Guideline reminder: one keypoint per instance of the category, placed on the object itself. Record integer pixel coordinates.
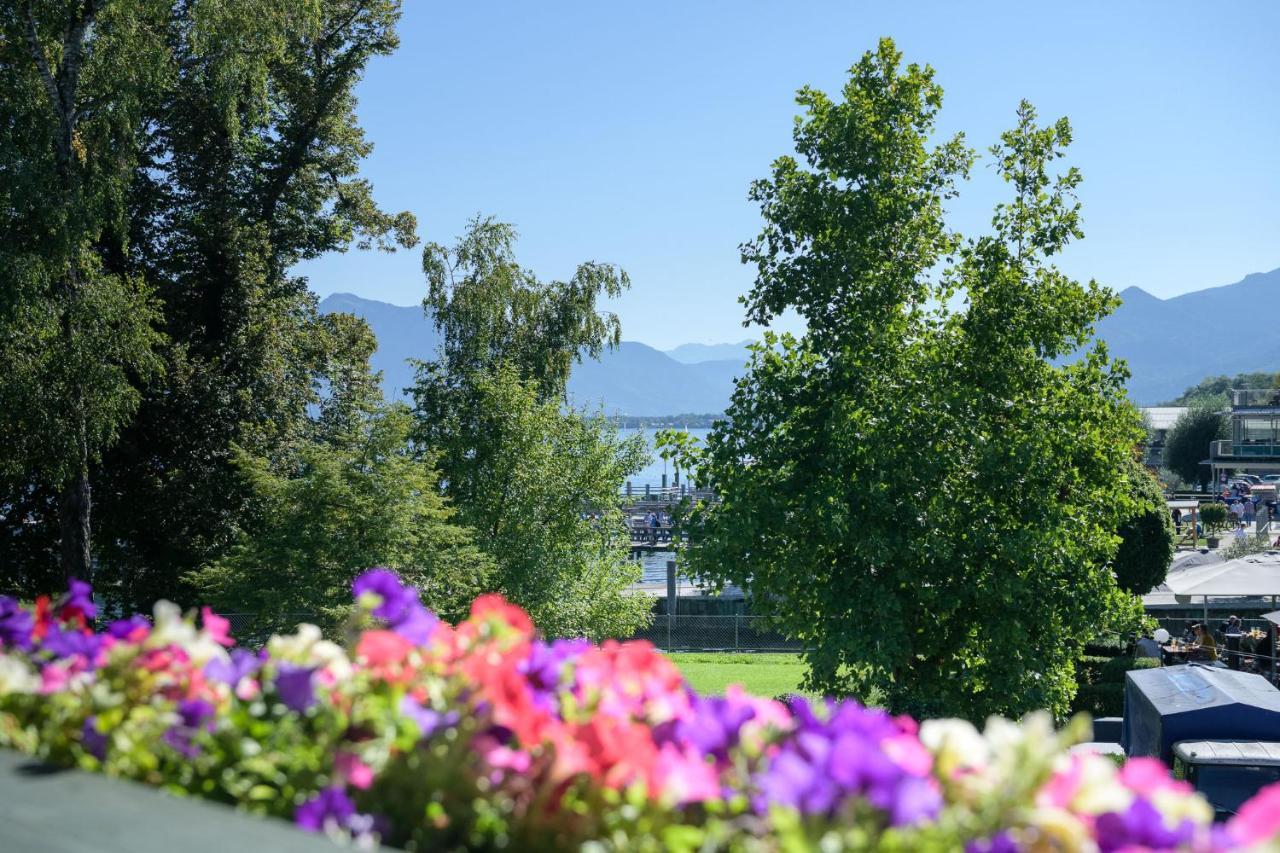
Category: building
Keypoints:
(1254, 445)
(1160, 419)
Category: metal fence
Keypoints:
(740, 633)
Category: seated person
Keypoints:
(1147, 648)
(1206, 645)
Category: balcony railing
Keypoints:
(1221, 448)
(1255, 398)
(1252, 449)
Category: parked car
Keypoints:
(1271, 478)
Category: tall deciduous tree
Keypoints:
(252, 165)
(76, 334)
(925, 497)
(520, 466)
(1187, 445)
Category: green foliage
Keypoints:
(1214, 392)
(356, 500)
(1243, 546)
(1187, 444)
(1214, 517)
(545, 468)
(216, 145)
(1146, 536)
(931, 499)
(76, 330)
(521, 467)
(1099, 700)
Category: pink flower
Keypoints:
(1062, 786)
(684, 775)
(248, 689)
(353, 770)
(1145, 775)
(54, 678)
(217, 627)
(1259, 819)
(906, 751)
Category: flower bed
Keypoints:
(480, 735)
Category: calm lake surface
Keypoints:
(652, 474)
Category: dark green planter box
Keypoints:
(49, 810)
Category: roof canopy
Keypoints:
(1256, 574)
(1176, 703)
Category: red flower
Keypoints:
(498, 606)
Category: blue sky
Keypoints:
(629, 132)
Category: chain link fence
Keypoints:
(738, 633)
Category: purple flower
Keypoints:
(93, 741)
(825, 762)
(194, 715)
(330, 807)
(714, 726)
(243, 663)
(294, 686)
(427, 720)
(16, 624)
(1141, 826)
(544, 669)
(416, 623)
(123, 629)
(1001, 842)
(79, 600)
(70, 642)
(399, 606)
(396, 597)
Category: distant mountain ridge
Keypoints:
(634, 379)
(1169, 344)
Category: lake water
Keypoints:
(652, 473)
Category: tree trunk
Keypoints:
(73, 508)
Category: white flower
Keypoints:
(295, 648)
(955, 744)
(17, 676)
(170, 628)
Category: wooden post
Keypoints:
(664, 481)
(646, 491)
(628, 488)
(672, 597)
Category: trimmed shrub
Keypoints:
(1113, 670)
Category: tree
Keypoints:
(522, 468)
(358, 500)
(237, 154)
(76, 335)
(546, 508)
(1146, 536)
(1214, 392)
(924, 496)
(1188, 443)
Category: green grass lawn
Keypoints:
(762, 674)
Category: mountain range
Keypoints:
(1170, 344)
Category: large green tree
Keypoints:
(520, 465)
(1187, 445)
(360, 498)
(244, 161)
(926, 498)
(77, 333)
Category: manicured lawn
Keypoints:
(762, 674)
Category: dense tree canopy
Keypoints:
(1188, 442)
(216, 145)
(522, 467)
(925, 496)
(356, 500)
(1146, 547)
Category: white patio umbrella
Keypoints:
(1257, 575)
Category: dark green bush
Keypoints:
(1099, 700)
(1113, 670)
(1089, 669)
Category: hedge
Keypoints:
(426, 736)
